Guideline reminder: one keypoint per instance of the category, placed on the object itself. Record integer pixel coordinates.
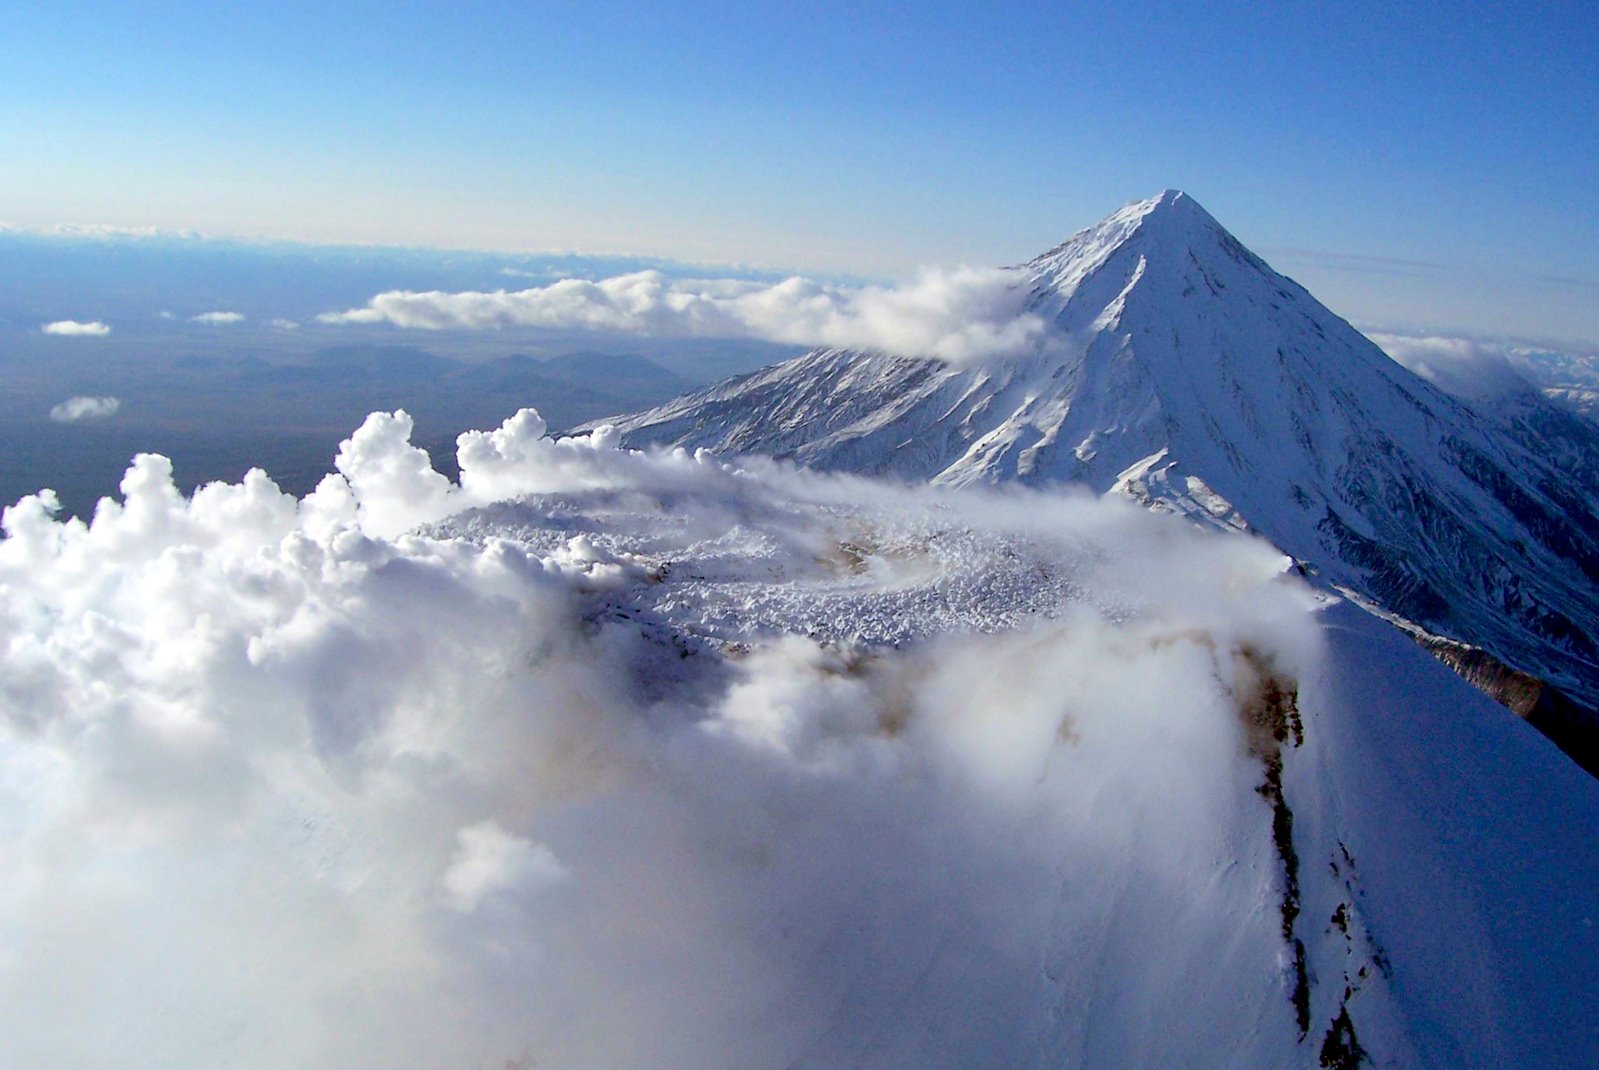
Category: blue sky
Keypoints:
(1424, 165)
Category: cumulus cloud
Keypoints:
(218, 319)
(490, 860)
(956, 314)
(84, 408)
(77, 328)
(283, 324)
(601, 758)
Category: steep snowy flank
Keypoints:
(1183, 372)
(643, 761)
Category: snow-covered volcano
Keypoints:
(601, 759)
(1180, 370)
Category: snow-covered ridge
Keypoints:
(1182, 371)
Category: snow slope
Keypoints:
(613, 759)
(1183, 372)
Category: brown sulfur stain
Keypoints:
(1268, 702)
(889, 686)
(1268, 705)
(849, 557)
(894, 719)
(1066, 731)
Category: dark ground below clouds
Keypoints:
(217, 417)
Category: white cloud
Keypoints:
(540, 783)
(218, 319)
(84, 408)
(951, 314)
(77, 328)
(1491, 369)
(491, 861)
(108, 230)
(1467, 367)
(283, 324)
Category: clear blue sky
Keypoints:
(1413, 163)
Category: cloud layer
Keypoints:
(951, 314)
(1467, 367)
(77, 328)
(84, 408)
(638, 769)
(1496, 369)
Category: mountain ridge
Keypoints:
(1179, 369)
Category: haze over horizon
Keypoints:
(1342, 147)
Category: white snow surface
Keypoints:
(1178, 369)
(605, 758)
